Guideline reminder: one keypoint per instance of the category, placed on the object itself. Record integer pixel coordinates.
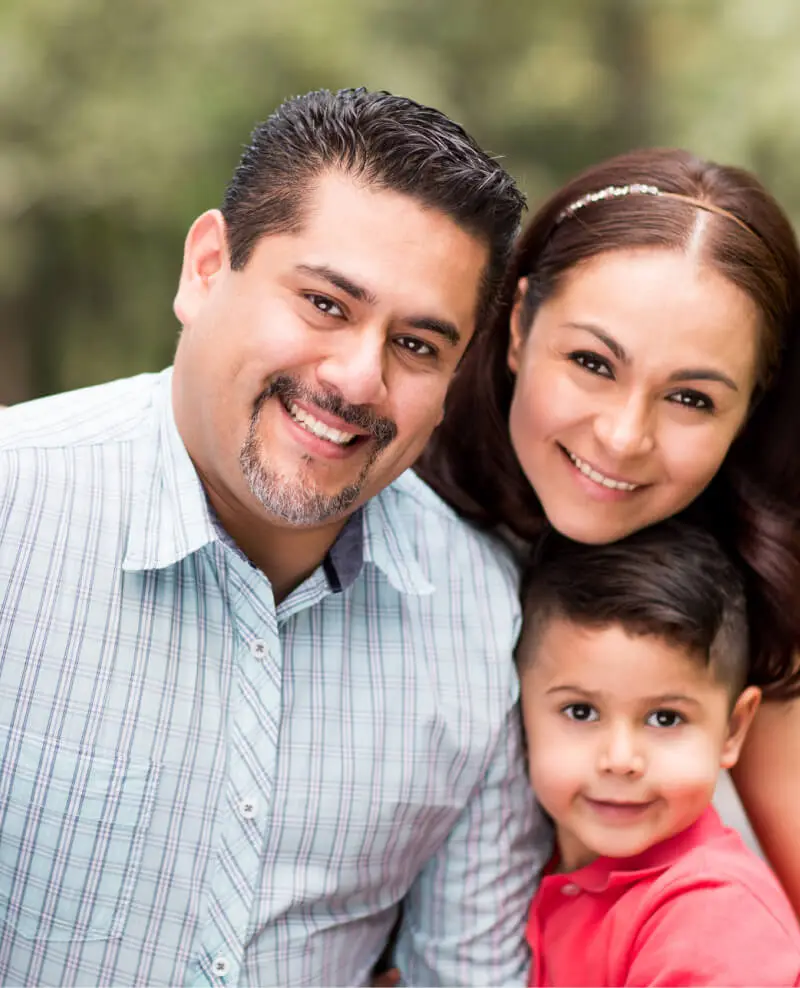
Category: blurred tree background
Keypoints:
(121, 121)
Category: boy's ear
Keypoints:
(740, 720)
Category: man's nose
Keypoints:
(356, 369)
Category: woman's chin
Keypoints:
(591, 529)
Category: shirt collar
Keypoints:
(603, 873)
(169, 512)
(171, 517)
(387, 541)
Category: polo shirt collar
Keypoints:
(604, 873)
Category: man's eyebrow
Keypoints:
(357, 292)
(685, 374)
(441, 326)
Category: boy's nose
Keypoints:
(621, 754)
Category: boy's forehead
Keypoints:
(612, 661)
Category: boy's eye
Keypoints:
(592, 362)
(583, 712)
(664, 718)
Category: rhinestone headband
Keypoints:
(639, 189)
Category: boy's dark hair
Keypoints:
(388, 142)
(672, 581)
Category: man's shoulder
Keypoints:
(444, 538)
(106, 413)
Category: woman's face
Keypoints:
(631, 385)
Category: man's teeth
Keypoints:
(317, 428)
(598, 478)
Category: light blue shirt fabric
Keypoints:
(198, 787)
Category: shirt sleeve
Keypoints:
(715, 935)
(464, 916)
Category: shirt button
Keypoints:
(259, 648)
(569, 889)
(221, 966)
(247, 807)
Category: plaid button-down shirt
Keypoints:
(199, 787)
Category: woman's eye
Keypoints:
(692, 399)
(664, 718)
(416, 346)
(324, 304)
(582, 712)
(592, 362)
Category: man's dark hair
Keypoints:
(390, 143)
(672, 581)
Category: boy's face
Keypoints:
(626, 737)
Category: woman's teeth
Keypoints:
(317, 428)
(598, 478)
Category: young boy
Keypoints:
(633, 664)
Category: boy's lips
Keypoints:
(619, 808)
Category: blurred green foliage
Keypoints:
(121, 122)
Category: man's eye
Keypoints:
(692, 399)
(592, 362)
(416, 346)
(324, 304)
(583, 712)
(664, 718)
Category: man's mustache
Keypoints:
(287, 388)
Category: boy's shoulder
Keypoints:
(717, 915)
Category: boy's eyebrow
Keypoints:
(569, 688)
(652, 701)
(672, 698)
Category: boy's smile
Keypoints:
(626, 737)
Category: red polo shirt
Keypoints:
(697, 909)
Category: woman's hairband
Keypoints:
(639, 189)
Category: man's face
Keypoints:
(309, 380)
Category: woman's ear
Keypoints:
(741, 718)
(516, 338)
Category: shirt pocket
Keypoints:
(72, 829)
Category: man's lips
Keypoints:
(323, 425)
(303, 409)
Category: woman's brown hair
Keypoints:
(753, 504)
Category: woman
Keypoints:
(647, 363)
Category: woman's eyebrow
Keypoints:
(703, 374)
(613, 345)
(685, 374)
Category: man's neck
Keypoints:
(286, 556)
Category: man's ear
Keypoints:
(739, 723)
(516, 336)
(205, 257)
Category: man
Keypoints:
(256, 686)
